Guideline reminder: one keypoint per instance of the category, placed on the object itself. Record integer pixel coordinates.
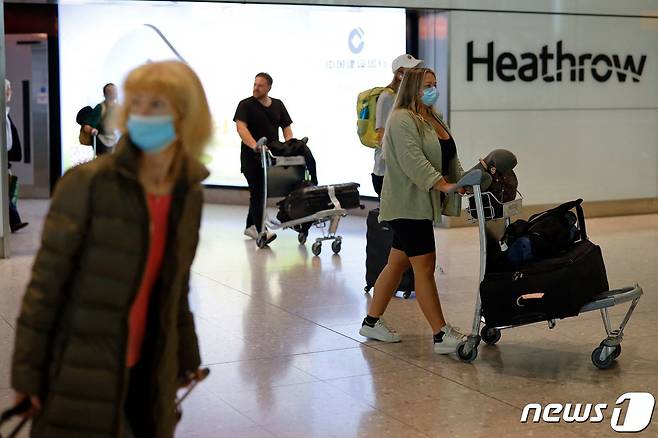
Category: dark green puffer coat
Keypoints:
(72, 330)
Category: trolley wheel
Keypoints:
(301, 238)
(490, 335)
(336, 246)
(261, 242)
(406, 294)
(602, 364)
(468, 358)
(616, 352)
(316, 249)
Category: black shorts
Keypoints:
(414, 237)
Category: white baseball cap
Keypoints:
(406, 61)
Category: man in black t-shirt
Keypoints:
(259, 116)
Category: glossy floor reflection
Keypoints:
(279, 330)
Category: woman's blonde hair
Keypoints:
(181, 86)
(408, 96)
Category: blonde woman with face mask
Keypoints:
(421, 168)
(105, 333)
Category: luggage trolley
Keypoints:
(604, 354)
(281, 176)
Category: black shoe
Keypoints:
(19, 226)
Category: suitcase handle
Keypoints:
(192, 379)
(18, 409)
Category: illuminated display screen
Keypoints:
(319, 57)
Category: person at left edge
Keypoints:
(105, 334)
(14, 154)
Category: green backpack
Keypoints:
(366, 109)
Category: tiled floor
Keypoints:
(279, 330)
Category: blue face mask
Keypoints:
(430, 96)
(151, 134)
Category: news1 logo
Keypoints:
(639, 411)
(552, 65)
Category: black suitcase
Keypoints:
(379, 239)
(567, 282)
(309, 200)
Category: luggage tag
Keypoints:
(532, 296)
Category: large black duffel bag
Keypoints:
(313, 199)
(379, 238)
(548, 289)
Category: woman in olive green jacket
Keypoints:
(421, 169)
(105, 333)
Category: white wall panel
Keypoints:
(595, 155)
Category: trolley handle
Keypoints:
(471, 178)
(260, 143)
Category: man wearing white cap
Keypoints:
(384, 107)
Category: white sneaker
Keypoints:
(251, 232)
(380, 331)
(450, 340)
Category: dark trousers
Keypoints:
(254, 175)
(377, 183)
(14, 217)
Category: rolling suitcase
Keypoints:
(379, 239)
(552, 288)
(312, 199)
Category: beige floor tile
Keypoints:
(332, 316)
(253, 374)
(408, 385)
(360, 361)
(206, 414)
(294, 404)
(256, 340)
(368, 424)
(6, 401)
(6, 349)
(472, 416)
